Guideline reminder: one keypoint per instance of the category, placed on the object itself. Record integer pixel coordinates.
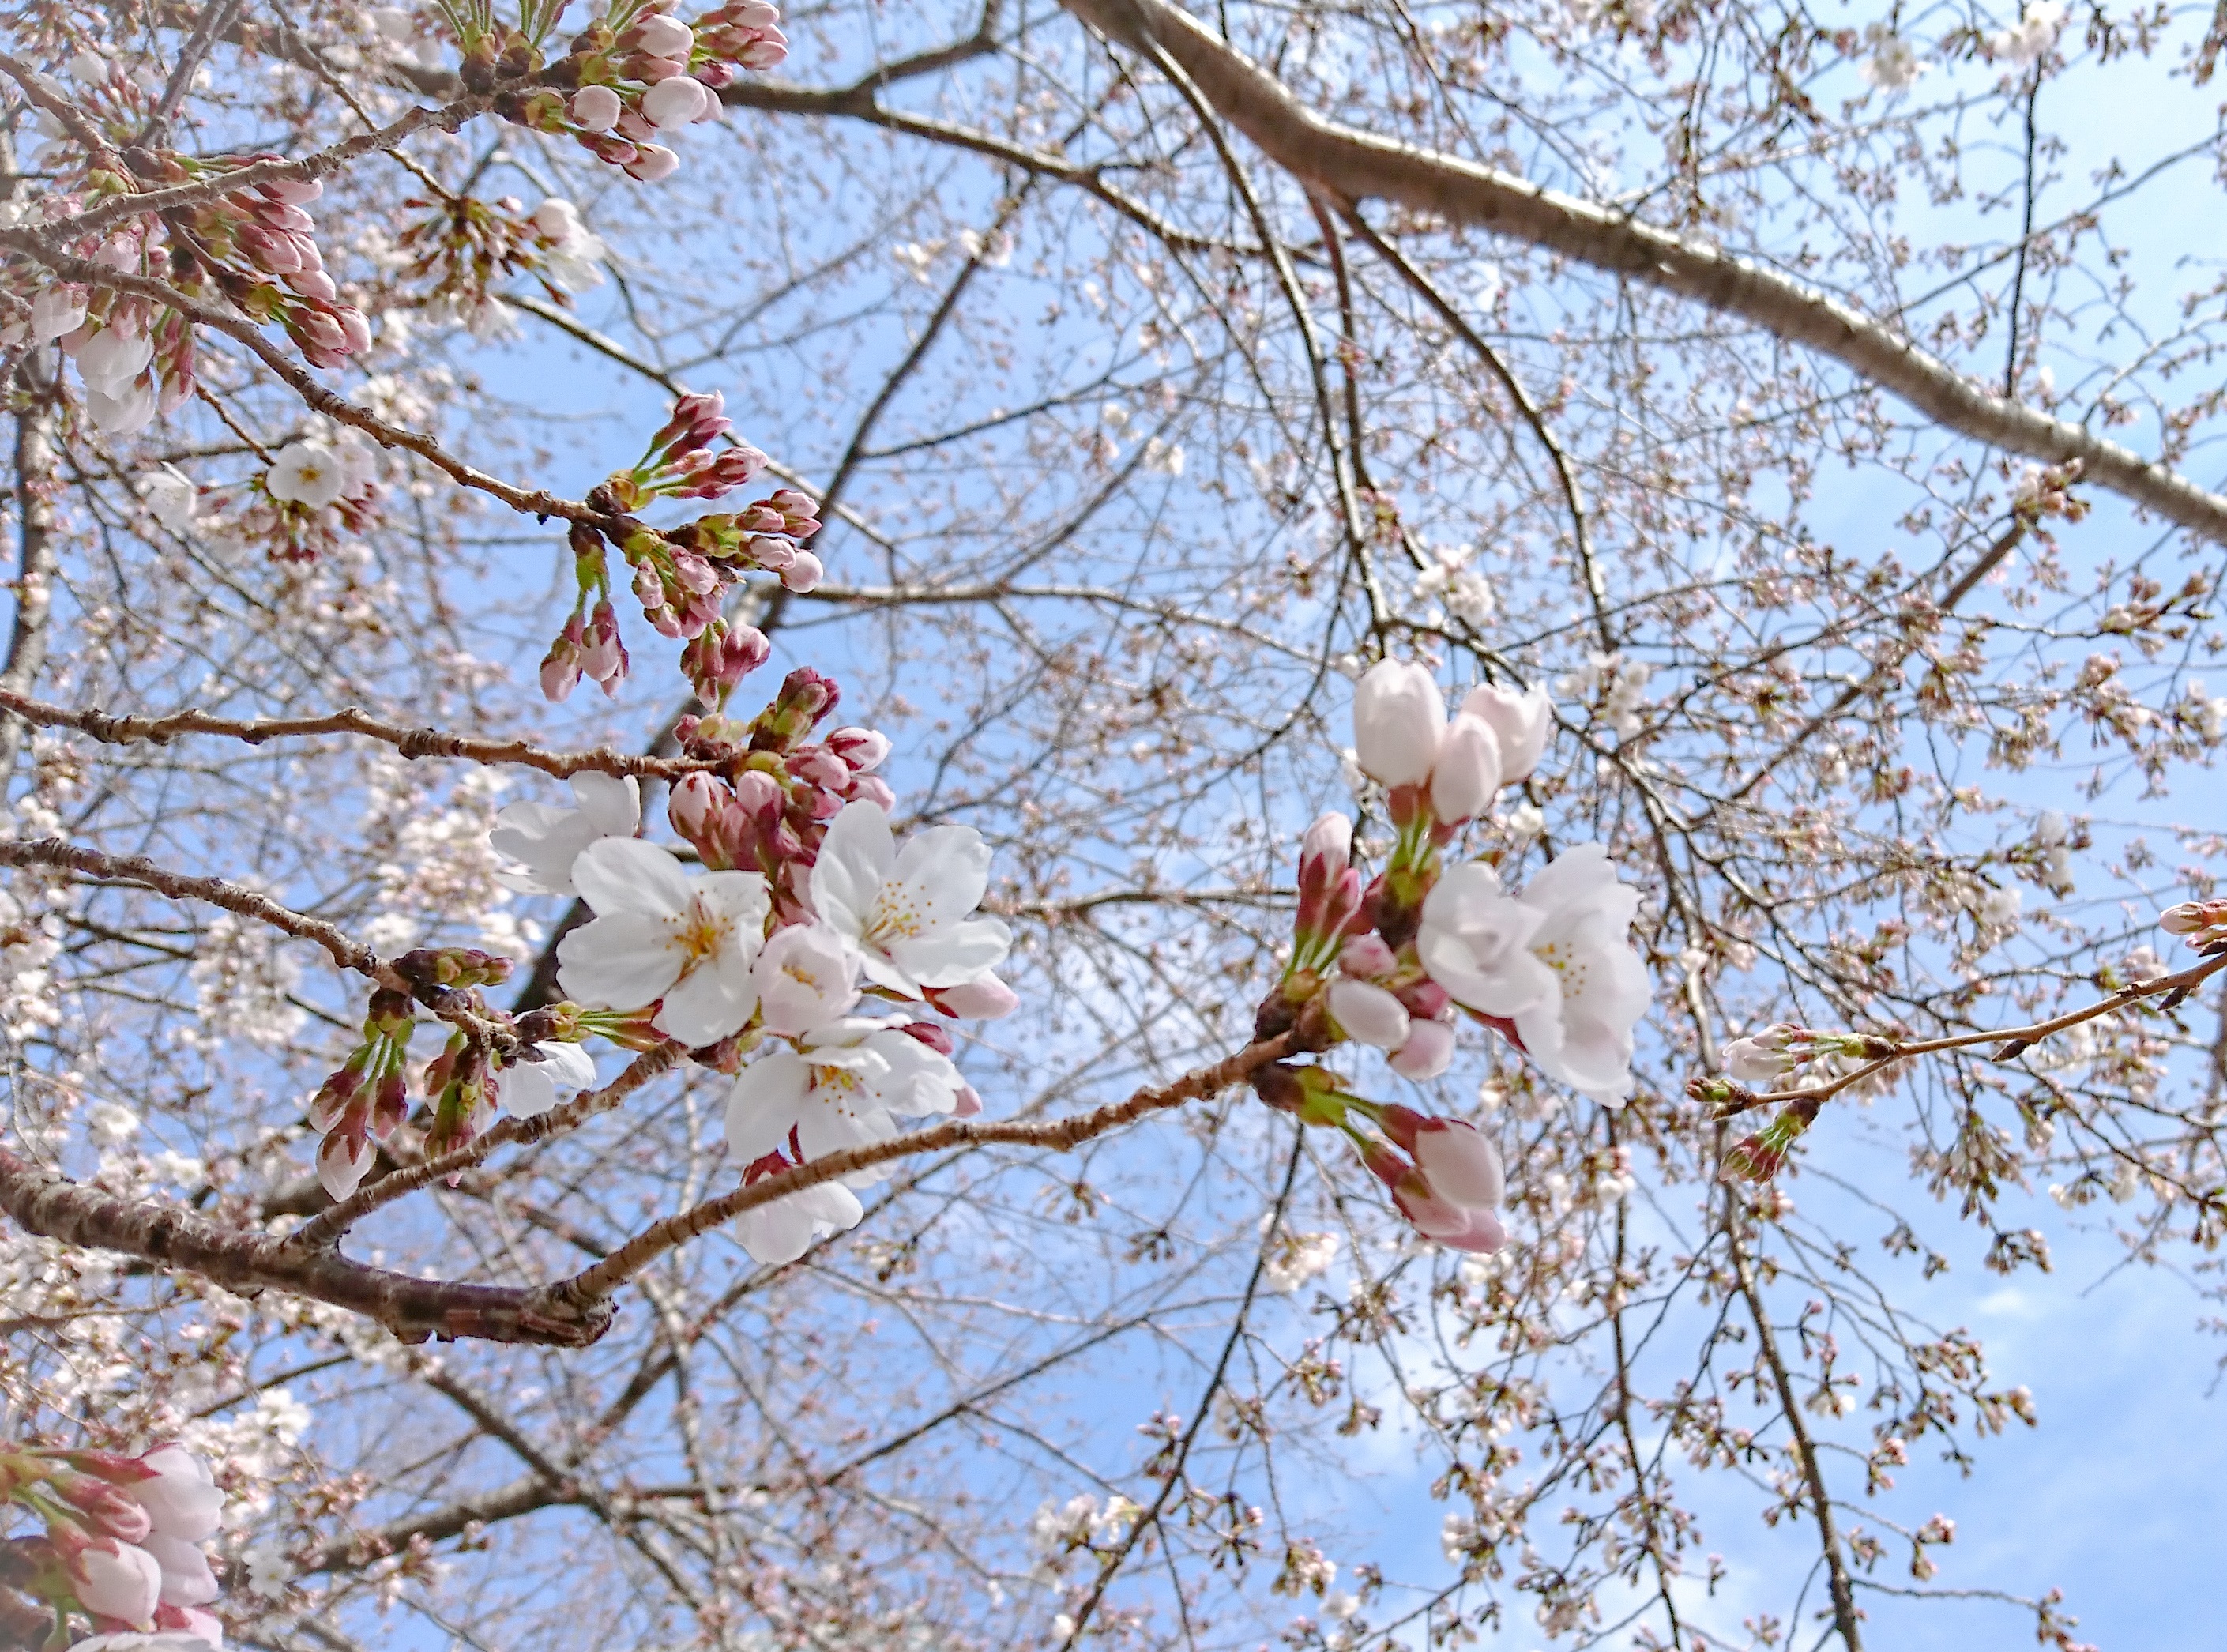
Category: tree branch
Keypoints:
(1352, 166)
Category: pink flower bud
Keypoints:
(770, 553)
(674, 103)
(1399, 716)
(357, 329)
(764, 53)
(1368, 1014)
(1427, 1053)
(930, 1034)
(753, 14)
(744, 650)
(313, 284)
(761, 797)
(661, 36)
(1328, 845)
(863, 749)
(1425, 999)
(1461, 1164)
(1522, 723)
(967, 1103)
(595, 109)
(117, 1580)
(1366, 957)
(1468, 770)
(109, 1510)
(344, 1158)
(652, 164)
(872, 788)
(603, 656)
(696, 802)
(983, 998)
(819, 769)
(803, 574)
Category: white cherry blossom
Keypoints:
(838, 1090)
(807, 975)
(548, 840)
(785, 1229)
(906, 911)
(529, 1089)
(659, 933)
(1399, 716)
(1555, 961)
(306, 473)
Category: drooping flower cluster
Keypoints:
(462, 247)
(253, 249)
(1393, 960)
(123, 1539)
(682, 576)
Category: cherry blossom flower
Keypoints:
(1368, 1014)
(659, 935)
(662, 37)
(118, 1580)
(1521, 722)
(182, 1500)
(983, 998)
(2035, 33)
(785, 1229)
(679, 101)
(1762, 1057)
(529, 1088)
(806, 976)
(170, 496)
(907, 911)
(55, 311)
(1467, 772)
(1399, 716)
(1554, 961)
(547, 839)
(838, 1090)
(306, 473)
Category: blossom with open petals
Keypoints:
(529, 1088)
(806, 975)
(306, 473)
(1555, 960)
(785, 1229)
(838, 1090)
(170, 495)
(548, 840)
(659, 933)
(906, 911)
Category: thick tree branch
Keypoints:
(1352, 166)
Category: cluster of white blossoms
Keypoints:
(822, 983)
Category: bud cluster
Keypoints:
(2202, 924)
(770, 812)
(1761, 1156)
(682, 575)
(122, 1538)
(619, 91)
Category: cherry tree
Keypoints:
(868, 828)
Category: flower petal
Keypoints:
(957, 952)
(611, 803)
(856, 856)
(627, 874)
(713, 1001)
(764, 1105)
(621, 962)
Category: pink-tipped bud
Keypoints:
(983, 998)
(1425, 999)
(1366, 958)
(872, 788)
(774, 555)
(595, 109)
(603, 655)
(820, 768)
(1327, 849)
(746, 649)
(930, 1034)
(862, 748)
(967, 1103)
(652, 164)
(696, 803)
(761, 798)
(109, 1511)
(803, 573)
(1427, 1053)
(1468, 770)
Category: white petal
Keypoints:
(857, 854)
(612, 803)
(941, 876)
(712, 1002)
(957, 953)
(568, 1064)
(528, 1090)
(621, 962)
(764, 1105)
(627, 874)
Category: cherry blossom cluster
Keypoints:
(463, 247)
(634, 78)
(254, 247)
(682, 575)
(123, 1538)
(810, 955)
(1393, 960)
